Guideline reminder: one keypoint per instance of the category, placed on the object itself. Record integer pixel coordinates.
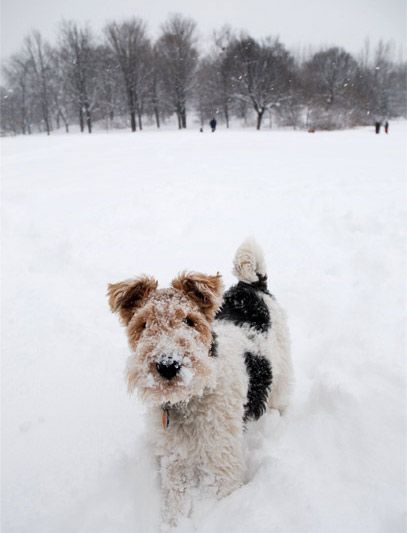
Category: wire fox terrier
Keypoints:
(206, 363)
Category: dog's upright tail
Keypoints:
(249, 265)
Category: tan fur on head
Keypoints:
(169, 324)
(126, 296)
(206, 291)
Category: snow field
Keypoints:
(82, 211)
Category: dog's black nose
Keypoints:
(168, 368)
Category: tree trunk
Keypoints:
(226, 112)
(132, 109)
(157, 117)
(140, 123)
(133, 124)
(23, 111)
(45, 116)
(47, 126)
(259, 118)
(179, 120)
(183, 115)
(65, 120)
(88, 118)
(81, 122)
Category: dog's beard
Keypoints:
(197, 373)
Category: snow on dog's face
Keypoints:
(169, 332)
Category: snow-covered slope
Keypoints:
(81, 211)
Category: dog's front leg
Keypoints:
(175, 482)
(229, 475)
(225, 467)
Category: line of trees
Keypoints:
(123, 78)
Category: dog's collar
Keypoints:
(167, 409)
(165, 417)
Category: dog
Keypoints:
(206, 364)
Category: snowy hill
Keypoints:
(82, 211)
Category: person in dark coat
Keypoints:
(377, 126)
(212, 124)
(386, 127)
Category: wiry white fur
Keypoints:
(249, 261)
(275, 345)
(203, 445)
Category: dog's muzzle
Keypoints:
(168, 368)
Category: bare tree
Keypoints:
(9, 112)
(177, 63)
(330, 77)
(260, 73)
(214, 88)
(333, 72)
(382, 70)
(78, 54)
(59, 89)
(127, 76)
(223, 66)
(398, 90)
(207, 91)
(17, 100)
(110, 94)
(155, 91)
(39, 56)
(290, 112)
(132, 49)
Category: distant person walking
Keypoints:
(386, 127)
(377, 126)
(212, 124)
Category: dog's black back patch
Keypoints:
(242, 304)
(260, 379)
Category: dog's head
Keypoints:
(169, 333)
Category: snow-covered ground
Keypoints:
(80, 211)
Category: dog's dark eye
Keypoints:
(143, 325)
(189, 322)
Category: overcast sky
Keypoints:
(296, 22)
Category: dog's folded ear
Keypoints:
(204, 290)
(126, 296)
